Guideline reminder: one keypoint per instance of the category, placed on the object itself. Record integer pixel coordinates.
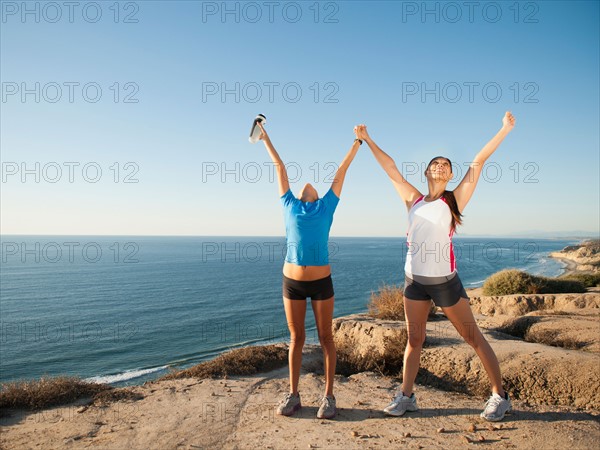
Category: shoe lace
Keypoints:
(398, 397)
(327, 402)
(287, 398)
(492, 403)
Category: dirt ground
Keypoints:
(239, 413)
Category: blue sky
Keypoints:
(356, 62)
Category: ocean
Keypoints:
(123, 309)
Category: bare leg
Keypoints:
(323, 310)
(295, 312)
(462, 318)
(416, 313)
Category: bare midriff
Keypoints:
(305, 273)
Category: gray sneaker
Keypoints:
(400, 404)
(495, 408)
(289, 405)
(327, 409)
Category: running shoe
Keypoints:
(400, 404)
(327, 409)
(495, 407)
(289, 405)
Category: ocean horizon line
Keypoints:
(547, 235)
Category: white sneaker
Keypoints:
(289, 405)
(327, 409)
(400, 404)
(495, 408)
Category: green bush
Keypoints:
(588, 279)
(512, 281)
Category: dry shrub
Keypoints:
(512, 281)
(351, 361)
(47, 392)
(241, 361)
(114, 395)
(388, 303)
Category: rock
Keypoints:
(517, 305)
(586, 256)
(576, 330)
(472, 428)
(555, 376)
(441, 430)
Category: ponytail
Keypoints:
(450, 200)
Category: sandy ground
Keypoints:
(239, 412)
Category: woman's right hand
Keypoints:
(263, 132)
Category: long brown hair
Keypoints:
(450, 199)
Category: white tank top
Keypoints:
(429, 239)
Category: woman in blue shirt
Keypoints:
(307, 273)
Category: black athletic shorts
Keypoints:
(447, 293)
(299, 290)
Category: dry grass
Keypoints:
(512, 281)
(115, 395)
(388, 303)
(241, 361)
(47, 392)
(350, 361)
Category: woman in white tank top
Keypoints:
(430, 267)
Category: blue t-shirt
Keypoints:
(307, 226)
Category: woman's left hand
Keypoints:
(508, 121)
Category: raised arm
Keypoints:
(407, 191)
(466, 187)
(340, 175)
(282, 176)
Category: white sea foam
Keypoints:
(124, 376)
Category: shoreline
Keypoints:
(570, 266)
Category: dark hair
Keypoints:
(449, 198)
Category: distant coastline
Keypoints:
(581, 258)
